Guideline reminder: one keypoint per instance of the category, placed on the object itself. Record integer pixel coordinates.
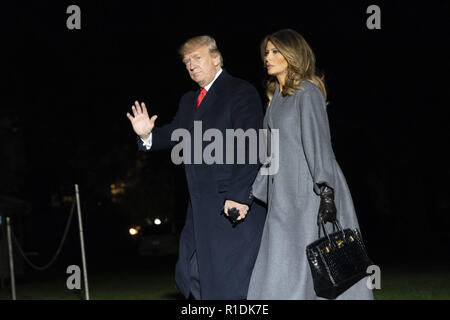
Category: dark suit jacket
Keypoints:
(225, 253)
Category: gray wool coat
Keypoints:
(306, 159)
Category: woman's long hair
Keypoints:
(301, 62)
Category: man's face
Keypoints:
(201, 65)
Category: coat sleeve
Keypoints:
(315, 135)
(246, 113)
(259, 187)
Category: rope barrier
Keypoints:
(45, 267)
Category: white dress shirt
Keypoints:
(148, 142)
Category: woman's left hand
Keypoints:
(327, 208)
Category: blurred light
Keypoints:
(157, 221)
(67, 199)
(133, 231)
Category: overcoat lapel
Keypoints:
(208, 101)
(269, 110)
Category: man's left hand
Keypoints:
(243, 208)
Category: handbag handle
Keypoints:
(335, 224)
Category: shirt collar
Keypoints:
(211, 83)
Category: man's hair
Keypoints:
(200, 41)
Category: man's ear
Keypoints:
(216, 60)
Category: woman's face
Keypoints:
(276, 64)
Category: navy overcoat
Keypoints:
(225, 253)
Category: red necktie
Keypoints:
(200, 97)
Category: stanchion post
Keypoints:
(11, 258)
(83, 256)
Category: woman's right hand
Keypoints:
(141, 122)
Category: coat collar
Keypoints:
(269, 110)
(210, 97)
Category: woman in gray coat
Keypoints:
(306, 172)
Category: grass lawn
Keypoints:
(155, 282)
(414, 283)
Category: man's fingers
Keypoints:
(243, 212)
(130, 117)
(242, 208)
(138, 107)
(133, 108)
(144, 109)
(153, 119)
(242, 216)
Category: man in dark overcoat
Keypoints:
(216, 255)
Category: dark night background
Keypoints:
(65, 94)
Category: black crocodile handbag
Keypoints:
(337, 261)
